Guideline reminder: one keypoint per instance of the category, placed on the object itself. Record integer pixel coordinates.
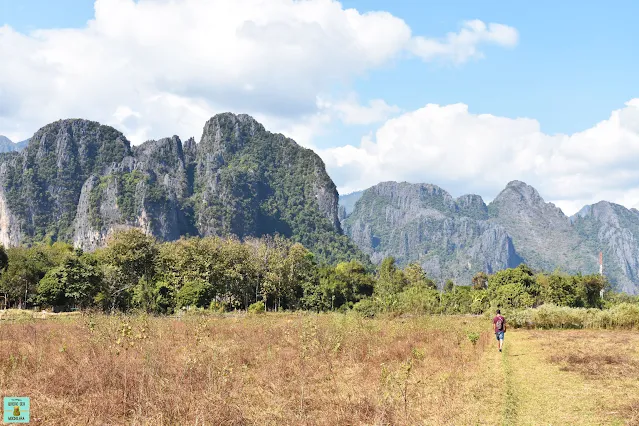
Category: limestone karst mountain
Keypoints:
(6, 145)
(78, 180)
(455, 238)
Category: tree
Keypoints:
(4, 264)
(238, 273)
(416, 277)
(514, 288)
(129, 256)
(449, 286)
(26, 267)
(390, 280)
(589, 289)
(480, 281)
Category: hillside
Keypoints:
(455, 238)
(450, 238)
(78, 181)
(347, 203)
(6, 145)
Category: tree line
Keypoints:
(134, 271)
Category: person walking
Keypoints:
(499, 326)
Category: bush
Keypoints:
(623, 315)
(418, 300)
(473, 337)
(217, 307)
(193, 293)
(257, 308)
(366, 307)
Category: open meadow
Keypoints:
(313, 369)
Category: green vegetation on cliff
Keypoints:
(77, 180)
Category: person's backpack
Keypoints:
(499, 325)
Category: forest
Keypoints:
(135, 272)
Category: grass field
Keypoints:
(327, 369)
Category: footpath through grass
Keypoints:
(570, 378)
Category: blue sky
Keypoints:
(573, 65)
(575, 62)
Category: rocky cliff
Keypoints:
(79, 181)
(454, 238)
(6, 145)
(613, 230)
(450, 238)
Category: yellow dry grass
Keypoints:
(308, 369)
(577, 377)
(270, 369)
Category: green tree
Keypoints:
(391, 280)
(449, 286)
(480, 281)
(129, 256)
(26, 267)
(4, 264)
(514, 288)
(416, 277)
(589, 288)
(238, 273)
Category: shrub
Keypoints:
(623, 315)
(419, 300)
(257, 308)
(193, 293)
(366, 307)
(217, 307)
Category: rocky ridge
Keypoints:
(79, 181)
(455, 238)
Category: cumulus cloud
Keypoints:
(155, 68)
(350, 111)
(464, 45)
(465, 152)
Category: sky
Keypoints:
(467, 95)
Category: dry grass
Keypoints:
(235, 370)
(596, 355)
(590, 375)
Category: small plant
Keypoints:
(417, 354)
(257, 308)
(473, 337)
(217, 307)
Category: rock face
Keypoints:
(6, 145)
(613, 230)
(455, 238)
(348, 201)
(450, 238)
(541, 232)
(79, 181)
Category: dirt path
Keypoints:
(537, 391)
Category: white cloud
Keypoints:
(465, 152)
(157, 68)
(464, 45)
(350, 111)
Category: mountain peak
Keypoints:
(518, 192)
(228, 132)
(226, 118)
(7, 145)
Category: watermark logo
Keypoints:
(16, 409)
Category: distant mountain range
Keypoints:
(455, 238)
(6, 145)
(78, 181)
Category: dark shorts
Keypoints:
(499, 335)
